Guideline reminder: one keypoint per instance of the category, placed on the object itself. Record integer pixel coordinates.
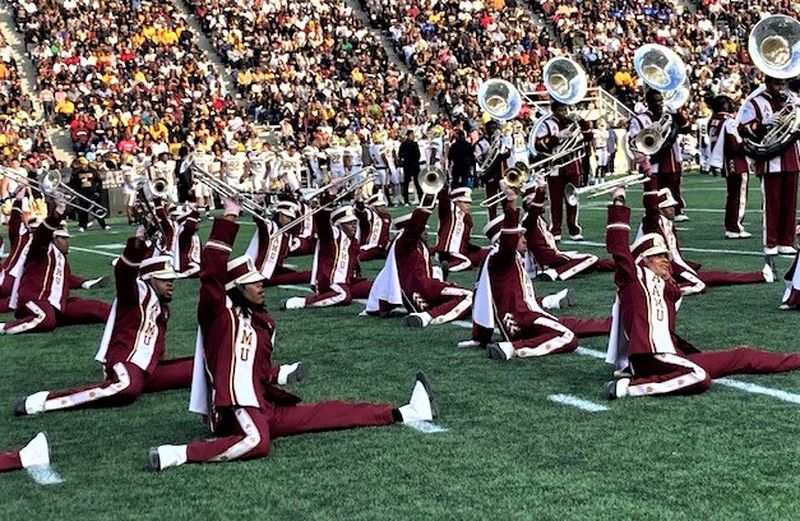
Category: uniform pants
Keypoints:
(83, 218)
(470, 258)
(791, 296)
(780, 204)
(374, 253)
(492, 188)
(123, 385)
(283, 275)
(450, 304)
(735, 201)
(5, 307)
(7, 286)
(587, 327)
(340, 294)
(10, 461)
(672, 180)
(697, 282)
(665, 373)
(40, 316)
(542, 336)
(249, 430)
(556, 185)
(569, 265)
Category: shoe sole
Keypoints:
(495, 353)
(299, 374)
(570, 299)
(412, 321)
(19, 407)
(423, 379)
(154, 460)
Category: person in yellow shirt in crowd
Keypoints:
(158, 130)
(64, 111)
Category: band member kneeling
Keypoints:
(505, 298)
(133, 345)
(235, 384)
(649, 358)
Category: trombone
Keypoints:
(215, 184)
(51, 182)
(573, 194)
(431, 180)
(515, 177)
(367, 172)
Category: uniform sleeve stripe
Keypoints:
(129, 262)
(618, 226)
(219, 245)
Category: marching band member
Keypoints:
(237, 380)
(41, 297)
(550, 261)
(494, 172)
(304, 236)
(269, 249)
(35, 454)
(791, 297)
(555, 127)
(504, 297)
(649, 357)
(727, 155)
(334, 279)
(660, 211)
(407, 279)
(19, 238)
(664, 165)
(374, 225)
(779, 173)
(455, 229)
(187, 263)
(133, 346)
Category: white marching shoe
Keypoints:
(294, 303)
(423, 405)
(419, 319)
(617, 388)
(36, 452)
(768, 272)
(29, 405)
(787, 250)
(561, 300)
(166, 456)
(500, 350)
(291, 373)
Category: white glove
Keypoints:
(564, 134)
(232, 206)
(99, 282)
(290, 373)
(770, 120)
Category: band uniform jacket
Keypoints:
(752, 124)
(547, 139)
(336, 256)
(455, 226)
(667, 161)
(730, 149)
(647, 302)
(373, 227)
(237, 345)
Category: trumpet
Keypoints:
(50, 183)
(248, 203)
(515, 177)
(367, 172)
(573, 194)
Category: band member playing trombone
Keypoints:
(408, 279)
(133, 345)
(727, 155)
(268, 248)
(551, 262)
(647, 354)
(779, 171)
(505, 298)
(41, 299)
(554, 128)
(335, 273)
(374, 225)
(238, 387)
(455, 229)
(660, 211)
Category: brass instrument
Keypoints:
(248, 203)
(773, 47)
(50, 183)
(573, 194)
(431, 180)
(502, 102)
(515, 177)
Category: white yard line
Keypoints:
(96, 252)
(695, 250)
(580, 403)
(44, 475)
(116, 246)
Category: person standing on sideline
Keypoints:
(409, 157)
(462, 158)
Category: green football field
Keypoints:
(508, 452)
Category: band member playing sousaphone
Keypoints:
(502, 102)
(653, 134)
(557, 131)
(768, 124)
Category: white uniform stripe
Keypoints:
(93, 394)
(696, 375)
(250, 440)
